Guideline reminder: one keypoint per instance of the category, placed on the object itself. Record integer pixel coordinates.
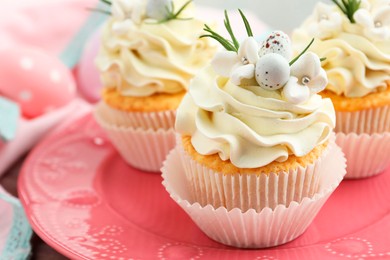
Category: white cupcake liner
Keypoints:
(145, 120)
(367, 155)
(368, 121)
(143, 149)
(252, 229)
(240, 190)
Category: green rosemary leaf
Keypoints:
(181, 8)
(230, 31)
(99, 11)
(225, 42)
(107, 2)
(169, 11)
(342, 8)
(348, 7)
(307, 47)
(247, 25)
(173, 16)
(219, 38)
(227, 45)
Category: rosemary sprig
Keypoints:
(230, 31)
(170, 11)
(233, 44)
(247, 25)
(300, 54)
(98, 10)
(303, 52)
(102, 11)
(348, 7)
(175, 16)
(107, 2)
(225, 43)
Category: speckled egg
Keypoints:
(157, 9)
(272, 71)
(37, 81)
(277, 42)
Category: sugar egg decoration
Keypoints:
(277, 42)
(272, 71)
(35, 80)
(158, 9)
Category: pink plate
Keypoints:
(83, 200)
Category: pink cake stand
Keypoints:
(84, 201)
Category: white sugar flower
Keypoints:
(375, 20)
(127, 13)
(239, 65)
(307, 78)
(328, 21)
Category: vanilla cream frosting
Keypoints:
(248, 125)
(357, 54)
(141, 57)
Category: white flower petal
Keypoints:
(383, 16)
(294, 92)
(364, 18)
(308, 65)
(243, 72)
(318, 83)
(224, 62)
(249, 49)
(379, 5)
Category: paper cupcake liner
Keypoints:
(241, 190)
(252, 229)
(148, 120)
(367, 155)
(143, 149)
(368, 121)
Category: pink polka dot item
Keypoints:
(87, 77)
(35, 80)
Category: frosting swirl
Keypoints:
(248, 125)
(357, 54)
(143, 57)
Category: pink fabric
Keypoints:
(6, 213)
(31, 131)
(42, 23)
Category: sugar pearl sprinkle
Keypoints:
(305, 80)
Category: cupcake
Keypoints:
(149, 52)
(354, 36)
(254, 160)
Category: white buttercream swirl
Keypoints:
(152, 57)
(248, 125)
(357, 55)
